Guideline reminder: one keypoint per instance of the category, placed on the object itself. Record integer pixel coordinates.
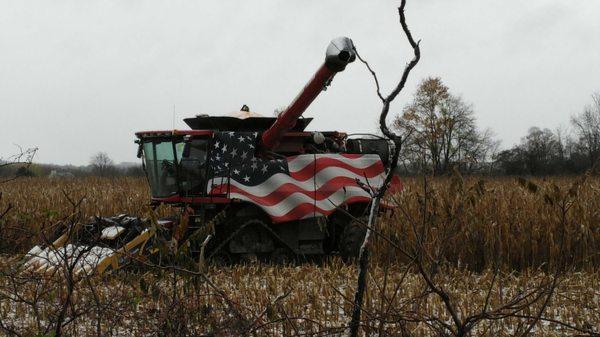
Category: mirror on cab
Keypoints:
(140, 149)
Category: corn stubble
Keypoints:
(319, 301)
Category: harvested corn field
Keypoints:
(289, 301)
(496, 243)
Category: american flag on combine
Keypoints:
(290, 188)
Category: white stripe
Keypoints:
(303, 160)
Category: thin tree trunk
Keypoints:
(363, 266)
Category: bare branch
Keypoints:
(22, 157)
(364, 250)
(372, 74)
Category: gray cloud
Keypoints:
(78, 77)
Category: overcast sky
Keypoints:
(77, 77)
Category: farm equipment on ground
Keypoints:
(265, 187)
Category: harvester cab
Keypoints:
(267, 188)
(175, 163)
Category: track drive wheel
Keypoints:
(351, 240)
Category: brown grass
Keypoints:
(41, 202)
(480, 220)
(516, 223)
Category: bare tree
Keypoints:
(102, 165)
(587, 127)
(443, 128)
(386, 101)
(540, 152)
(541, 148)
(22, 159)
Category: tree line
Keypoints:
(100, 165)
(441, 135)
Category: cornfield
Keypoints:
(477, 218)
(514, 222)
(496, 239)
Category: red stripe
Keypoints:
(288, 189)
(305, 209)
(313, 168)
(351, 155)
(345, 155)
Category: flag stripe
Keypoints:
(299, 206)
(307, 210)
(320, 164)
(299, 162)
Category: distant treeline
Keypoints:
(541, 152)
(547, 152)
(68, 171)
(441, 135)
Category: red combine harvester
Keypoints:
(267, 188)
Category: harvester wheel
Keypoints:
(351, 240)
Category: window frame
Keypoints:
(174, 140)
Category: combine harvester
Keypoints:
(265, 187)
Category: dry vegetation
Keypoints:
(41, 202)
(494, 241)
(312, 301)
(515, 220)
(484, 217)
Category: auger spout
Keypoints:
(339, 53)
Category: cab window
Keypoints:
(191, 158)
